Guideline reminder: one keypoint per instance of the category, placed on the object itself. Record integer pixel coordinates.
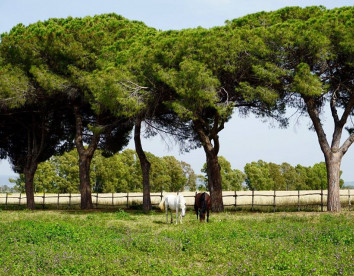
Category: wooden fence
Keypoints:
(300, 200)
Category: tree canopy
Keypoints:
(89, 80)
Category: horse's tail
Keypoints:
(162, 204)
(204, 203)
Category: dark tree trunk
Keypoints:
(145, 167)
(214, 182)
(85, 183)
(85, 157)
(29, 172)
(213, 167)
(34, 149)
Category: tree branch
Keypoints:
(344, 148)
(171, 133)
(314, 115)
(339, 124)
(333, 107)
(347, 111)
(78, 132)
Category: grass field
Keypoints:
(131, 243)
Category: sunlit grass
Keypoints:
(130, 242)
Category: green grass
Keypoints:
(132, 243)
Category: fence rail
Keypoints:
(237, 199)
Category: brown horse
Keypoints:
(202, 204)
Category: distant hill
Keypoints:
(349, 184)
(4, 180)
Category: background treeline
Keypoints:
(270, 176)
(118, 173)
(122, 173)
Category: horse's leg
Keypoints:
(196, 210)
(166, 206)
(171, 216)
(207, 215)
(176, 214)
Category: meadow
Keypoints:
(128, 242)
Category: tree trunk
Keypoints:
(85, 183)
(213, 167)
(333, 153)
(333, 162)
(145, 167)
(29, 173)
(85, 157)
(214, 182)
(33, 151)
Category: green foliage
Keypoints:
(306, 83)
(195, 86)
(14, 86)
(258, 176)
(118, 173)
(269, 176)
(110, 243)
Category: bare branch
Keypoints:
(167, 132)
(314, 115)
(347, 111)
(344, 148)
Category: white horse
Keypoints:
(174, 203)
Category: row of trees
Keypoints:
(86, 82)
(118, 173)
(270, 176)
(122, 173)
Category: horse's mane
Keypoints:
(162, 204)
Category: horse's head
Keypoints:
(202, 215)
(182, 204)
(204, 204)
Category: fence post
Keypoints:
(298, 200)
(70, 200)
(235, 199)
(161, 196)
(6, 200)
(112, 199)
(19, 200)
(274, 201)
(127, 200)
(252, 199)
(321, 198)
(43, 200)
(349, 201)
(58, 201)
(96, 200)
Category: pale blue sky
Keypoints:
(242, 140)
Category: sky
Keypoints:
(244, 139)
